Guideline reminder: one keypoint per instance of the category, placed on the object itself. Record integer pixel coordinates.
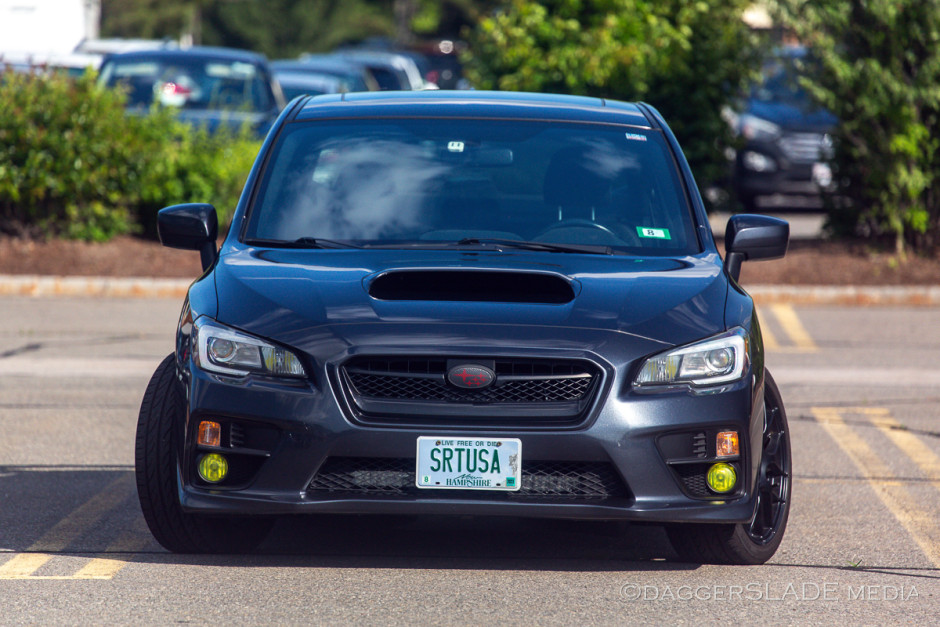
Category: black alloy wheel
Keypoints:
(756, 541)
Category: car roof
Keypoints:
(210, 52)
(471, 103)
(307, 78)
(317, 63)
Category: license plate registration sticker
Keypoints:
(469, 463)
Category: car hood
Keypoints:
(286, 295)
(793, 117)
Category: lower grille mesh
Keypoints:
(366, 476)
(693, 479)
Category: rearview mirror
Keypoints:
(190, 227)
(751, 237)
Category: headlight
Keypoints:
(220, 349)
(753, 127)
(719, 359)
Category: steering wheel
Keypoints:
(581, 223)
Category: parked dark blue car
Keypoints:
(212, 87)
(468, 303)
(786, 137)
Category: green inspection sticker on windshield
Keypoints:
(650, 233)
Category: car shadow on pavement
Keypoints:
(93, 510)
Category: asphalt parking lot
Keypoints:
(863, 544)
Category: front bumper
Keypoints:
(296, 432)
(792, 171)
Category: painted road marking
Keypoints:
(913, 447)
(920, 524)
(76, 367)
(791, 324)
(107, 567)
(770, 340)
(67, 530)
(798, 338)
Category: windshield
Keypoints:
(190, 83)
(431, 181)
(781, 80)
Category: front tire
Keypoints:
(756, 541)
(160, 427)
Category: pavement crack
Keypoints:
(862, 422)
(868, 478)
(26, 348)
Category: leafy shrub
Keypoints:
(688, 58)
(878, 71)
(65, 165)
(193, 166)
(73, 164)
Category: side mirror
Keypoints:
(190, 227)
(752, 237)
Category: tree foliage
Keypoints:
(286, 28)
(878, 71)
(689, 58)
(74, 164)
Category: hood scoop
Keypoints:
(472, 286)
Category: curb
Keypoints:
(108, 287)
(141, 287)
(854, 295)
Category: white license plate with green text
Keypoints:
(469, 463)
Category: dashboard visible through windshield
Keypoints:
(382, 182)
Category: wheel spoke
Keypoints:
(773, 470)
(772, 446)
(770, 419)
(773, 477)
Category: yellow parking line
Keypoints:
(770, 340)
(85, 517)
(913, 447)
(107, 567)
(22, 565)
(792, 326)
(899, 501)
(68, 529)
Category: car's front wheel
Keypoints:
(756, 541)
(159, 441)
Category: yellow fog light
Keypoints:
(721, 477)
(726, 444)
(213, 467)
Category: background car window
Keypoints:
(382, 181)
(190, 84)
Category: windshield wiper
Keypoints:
(593, 249)
(301, 242)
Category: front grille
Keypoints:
(377, 477)
(805, 147)
(560, 388)
(525, 392)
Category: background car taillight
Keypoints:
(174, 94)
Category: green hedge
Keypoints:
(73, 164)
(877, 68)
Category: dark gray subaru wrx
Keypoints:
(468, 303)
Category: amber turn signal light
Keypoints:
(210, 433)
(726, 445)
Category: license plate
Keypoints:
(469, 463)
